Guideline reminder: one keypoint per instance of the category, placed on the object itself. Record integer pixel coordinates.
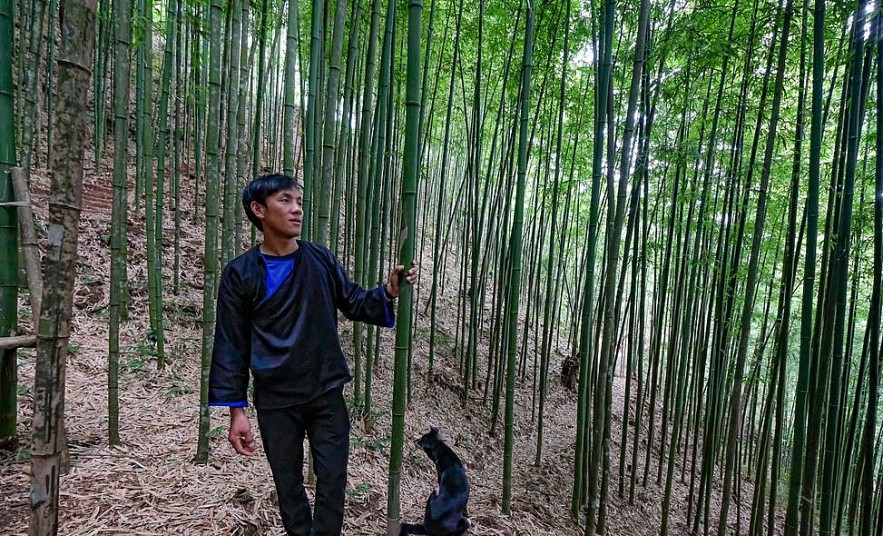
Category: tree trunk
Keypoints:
(29, 245)
(210, 256)
(119, 218)
(289, 111)
(407, 234)
(328, 138)
(59, 267)
(8, 227)
(515, 246)
(312, 112)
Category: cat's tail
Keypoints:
(408, 528)
(463, 525)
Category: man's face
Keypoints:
(283, 214)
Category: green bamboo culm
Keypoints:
(122, 43)
(310, 126)
(362, 192)
(867, 449)
(373, 215)
(30, 115)
(834, 342)
(8, 226)
(260, 90)
(551, 293)
(181, 84)
(140, 76)
(213, 179)
(440, 199)
(289, 113)
(167, 74)
(99, 81)
(240, 119)
(474, 168)
(50, 73)
(323, 207)
(343, 161)
(123, 251)
(148, 140)
(410, 173)
(583, 441)
(199, 77)
(229, 246)
(515, 247)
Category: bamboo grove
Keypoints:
(675, 208)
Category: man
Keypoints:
(277, 319)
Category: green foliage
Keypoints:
(184, 311)
(378, 444)
(688, 49)
(360, 490)
(22, 453)
(135, 358)
(177, 390)
(134, 364)
(144, 349)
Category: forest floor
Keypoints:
(149, 485)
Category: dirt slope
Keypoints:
(150, 487)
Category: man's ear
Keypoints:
(258, 209)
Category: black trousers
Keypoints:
(326, 423)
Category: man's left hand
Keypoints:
(392, 286)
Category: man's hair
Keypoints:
(263, 187)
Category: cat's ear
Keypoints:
(433, 430)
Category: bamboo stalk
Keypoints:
(19, 341)
(29, 244)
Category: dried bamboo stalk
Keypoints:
(29, 245)
(20, 341)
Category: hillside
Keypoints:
(150, 487)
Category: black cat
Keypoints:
(446, 507)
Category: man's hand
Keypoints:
(392, 286)
(240, 432)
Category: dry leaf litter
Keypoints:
(150, 486)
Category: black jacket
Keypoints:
(290, 340)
